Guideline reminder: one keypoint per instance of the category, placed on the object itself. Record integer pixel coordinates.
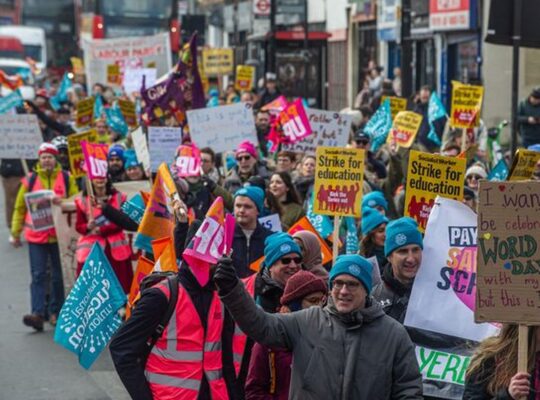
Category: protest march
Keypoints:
(222, 239)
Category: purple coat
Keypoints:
(268, 369)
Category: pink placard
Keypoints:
(95, 159)
(188, 161)
(294, 122)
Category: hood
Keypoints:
(312, 249)
(43, 174)
(356, 319)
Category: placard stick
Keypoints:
(463, 139)
(523, 350)
(90, 195)
(224, 163)
(335, 242)
(25, 166)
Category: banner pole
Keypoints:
(25, 166)
(335, 242)
(89, 197)
(523, 350)
(463, 140)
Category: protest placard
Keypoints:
(188, 161)
(271, 222)
(218, 62)
(85, 112)
(20, 136)
(132, 188)
(339, 174)
(113, 75)
(397, 104)
(141, 147)
(442, 366)
(76, 157)
(127, 108)
(222, 128)
(294, 122)
(429, 175)
(466, 105)
(508, 276)
(276, 106)
(162, 144)
(64, 225)
(95, 159)
(404, 128)
(245, 77)
(329, 129)
(523, 165)
(77, 64)
(10, 101)
(133, 78)
(128, 53)
(39, 207)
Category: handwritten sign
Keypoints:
(329, 129)
(508, 252)
(397, 104)
(85, 112)
(76, 157)
(39, 206)
(133, 78)
(95, 159)
(339, 174)
(141, 147)
(466, 105)
(222, 128)
(429, 175)
(162, 144)
(523, 165)
(127, 108)
(404, 128)
(294, 122)
(245, 77)
(20, 136)
(218, 61)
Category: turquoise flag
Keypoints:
(351, 239)
(115, 120)
(61, 93)
(321, 223)
(98, 107)
(436, 110)
(134, 208)
(12, 100)
(379, 125)
(499, 172)
(89, 316)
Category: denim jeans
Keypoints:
(40, 254)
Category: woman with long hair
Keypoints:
(492, 371)
(373, 235)
(282, 188)
(306, 178)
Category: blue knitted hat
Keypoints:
(130, 158)
(254, 193)
(402, 232)
(371, 219)
(116, 151)
(278, 245)
(374, 199)
(354, 265)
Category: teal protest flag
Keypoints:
(379, 125)
(351, 238)
(322, 223)
(98, 106)
(61, 93)
(89, 316)
(115, 120)
(9, 102)
(499, 172)
(436, 110)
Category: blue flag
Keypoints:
(89, 316)
(351, 239)
(12, 100)
(379, 125)
(98, 107)
(322, 223)
(436, 110)
(61, 93)
(499, 172)
(115, 120)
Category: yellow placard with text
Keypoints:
(127, 108)
(113, 74)
(523, 165)
(429, 176)
(245, 77)
(85, 112)
(76, 157)
(217, 62)
(339, 177)
(78, 66)
(466, 105)
(397, 104)
(405, 128)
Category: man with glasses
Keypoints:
(347, 350)
(208, 165)
(247, 165)
(362, 141)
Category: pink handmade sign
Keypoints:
(95, 159)
(188, 161)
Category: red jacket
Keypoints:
(269, 375)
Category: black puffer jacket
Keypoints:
(247, 251)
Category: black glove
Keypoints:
(209, 183)
(225, 276)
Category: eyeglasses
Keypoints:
(477, 177)
(351, 286)
(243, 158)
(205, 161)
(287, 260)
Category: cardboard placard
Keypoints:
(162, 144)
(397, 104)
(523, 165)
(339, 174)
(271, 222)
(329, 129)
(222, 128)
(245, 77)
(466, 105)
(95, 159)
(508, 276)
(217, 62)
(141, 147)
(76, 157)
(429, 175)
(133, 78)
(113, 75)
(404, 128)
(39, 207)
(85, 112)
(20, 136)
(127, 108)
(78, 66)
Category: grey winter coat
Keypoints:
(369, 357)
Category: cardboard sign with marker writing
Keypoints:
(523, 165)
(508, 280)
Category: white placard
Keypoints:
(133, 79)
(329, 128)
(222, 128)
(271, 222)
(162, 144)
(141, 147)
(20, 136)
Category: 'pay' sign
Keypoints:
(294, 122)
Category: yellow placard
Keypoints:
(429, 176)
(245, 77)
(151, 64)
(466, 105)
(204, 78)
(76, 158)
(113, 74)
(405, 128)
(218, 62)
(397, 104)
(523, 165)
(127, 108)
(78, 66)
(85, 112)
(339, 176)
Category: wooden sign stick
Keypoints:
(335, 242)
(463, 139)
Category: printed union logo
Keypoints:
(285, 248)
(355, 269)
(372, 203)
(400, 239)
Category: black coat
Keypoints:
(245, 252)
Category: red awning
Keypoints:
(299, 35)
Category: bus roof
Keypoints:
(26, 34)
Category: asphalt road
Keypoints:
(32, 366)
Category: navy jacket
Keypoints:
(244, 252)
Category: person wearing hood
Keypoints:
(311, 253)
(344, 356)
(373, 227)
(473, 175)
(116, 164)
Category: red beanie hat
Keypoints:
(47, 148)
(302, 284)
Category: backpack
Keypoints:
(34, 176)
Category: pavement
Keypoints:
(32, 366)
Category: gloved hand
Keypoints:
(225, 276)
(209, 183)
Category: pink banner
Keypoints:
(188, 161)
(294, 122)
(95, 159)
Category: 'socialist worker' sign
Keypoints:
(508, 252)
(339, 176)
(466, 105)
(429, 175)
